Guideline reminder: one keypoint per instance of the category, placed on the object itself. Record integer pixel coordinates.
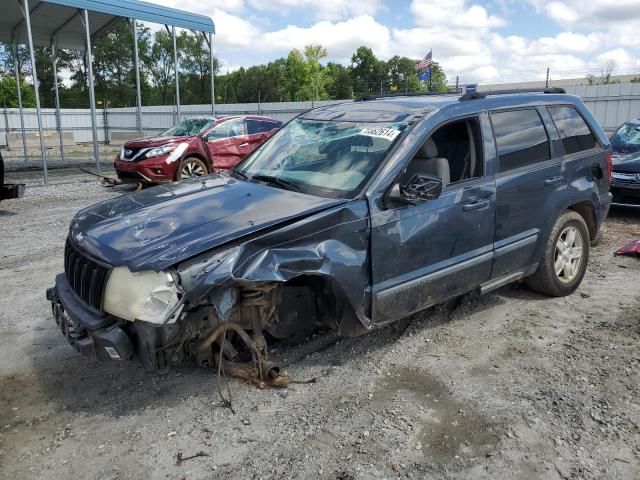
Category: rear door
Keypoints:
(258, 132)
(583, 155)
(531, 186)
(228, 143)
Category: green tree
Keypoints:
(369, 74)
(438, 79)
(9, 92)
(159, 63)
(338, 84)
(195, 65)
(315, 71)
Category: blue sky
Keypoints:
(482, 41)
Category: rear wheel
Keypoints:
(565, 257)
(191, 167)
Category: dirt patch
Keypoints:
(448, 429)
(508, 385)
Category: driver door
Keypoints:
(425, 253)
(228, 143)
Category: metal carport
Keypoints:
(68, 24)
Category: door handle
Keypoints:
(244, 144)
(553, 181)
(475, 204)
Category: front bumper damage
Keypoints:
(92, 333)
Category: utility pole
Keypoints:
(457, 83)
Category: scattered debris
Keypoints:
(632, 249)
(181, 458)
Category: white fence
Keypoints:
(610, 104)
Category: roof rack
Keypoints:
(478, 95)
(364, 98)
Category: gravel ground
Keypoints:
(509, 385)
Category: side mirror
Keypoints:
(419, 188)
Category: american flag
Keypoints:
(425, 62)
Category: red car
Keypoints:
(194, 147)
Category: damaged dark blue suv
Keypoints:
(352, 216)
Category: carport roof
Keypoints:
(60, 18)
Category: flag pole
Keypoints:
(431, 69)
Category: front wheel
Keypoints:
(565, 257)
(191, 167)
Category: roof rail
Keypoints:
(364, 98)
(478, 95)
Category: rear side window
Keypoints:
(259, 126)
(256, 126)
(575, 133)
(520, 137)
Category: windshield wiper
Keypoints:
(240, 174)
(276, 181)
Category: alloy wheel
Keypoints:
(568, 254)
(192, 169)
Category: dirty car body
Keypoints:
(350, 217)
(625, 185)
(194, 147)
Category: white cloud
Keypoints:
(322, 9)
(233, 31)
(467, 38)
(204, 7)
(341, 39)
(619, 55)
(591, 13)
(453, 13)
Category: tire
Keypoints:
(191, 167)
(570, 225)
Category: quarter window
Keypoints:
(575, 133)
(520, 137)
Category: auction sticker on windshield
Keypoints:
(381, 132)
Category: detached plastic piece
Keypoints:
(632, 249)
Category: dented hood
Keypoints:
(158, 227)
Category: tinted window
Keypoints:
(574, 132)
(521, 138)
(259, 126)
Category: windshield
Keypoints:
(325, 158)
(188, 127)
(627, 138)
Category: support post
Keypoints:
(211, 74)
(136, 62)
(14, 49)
(175, 68)
(92, 96)
(43, 152)
(54, 58)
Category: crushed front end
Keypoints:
(102, 326)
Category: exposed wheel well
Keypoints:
(587, 212)
(324, 298)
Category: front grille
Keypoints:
(130, 153)
(86, 277)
